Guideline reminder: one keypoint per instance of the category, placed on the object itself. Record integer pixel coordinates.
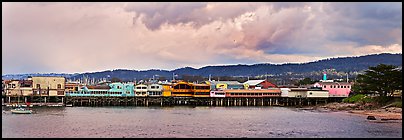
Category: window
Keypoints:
(311, 93)
(348, 86)
(338, 87)
(325, 86)
(38, 86)
(59, 86)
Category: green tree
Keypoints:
(382, 79)
(305, 81)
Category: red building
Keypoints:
(259, 84)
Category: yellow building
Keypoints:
(55, 86)
(167, 88)
(182, 89)
(201, 90)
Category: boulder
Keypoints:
(371, 118)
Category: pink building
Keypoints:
(335, 89)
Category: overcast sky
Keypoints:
(88, 37)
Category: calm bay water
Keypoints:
(191, 122)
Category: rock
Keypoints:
(371, 118)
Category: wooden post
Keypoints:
(276, 101)
(262, 101)
(270, 101)
(247, 101)
(254, 101)
(45, 100)
(161, 102)
(62, 100)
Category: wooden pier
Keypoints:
(167, 101)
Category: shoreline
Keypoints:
(381, 114)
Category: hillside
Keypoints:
(347, 64)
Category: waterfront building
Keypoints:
(99, 90)
(273, 92)
(217, 93)
(306, 93)
(49, 86)
(167, 89)
(3, 87)
(121, 89)
(225, 85)
(182, 89)
(72, 86)
(259, 84)
(285, 92)
(335, 89)
(154, 90)
(141, 90)
(14, 88)
(201, 90)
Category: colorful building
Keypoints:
(259, 84)
(225, 85)
(217, 93)
(167, 89)
(335, 89)
(201, 90)
(275, 92)
(182, 89)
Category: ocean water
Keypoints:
(192, 122)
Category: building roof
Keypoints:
(253, 82)
(226, 82)
(334, 83)
(141, 85)
(200, 84)
(274, 90)
(98, 87)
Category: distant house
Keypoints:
(259, 84)
(335, 89)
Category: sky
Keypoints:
(88, 37)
